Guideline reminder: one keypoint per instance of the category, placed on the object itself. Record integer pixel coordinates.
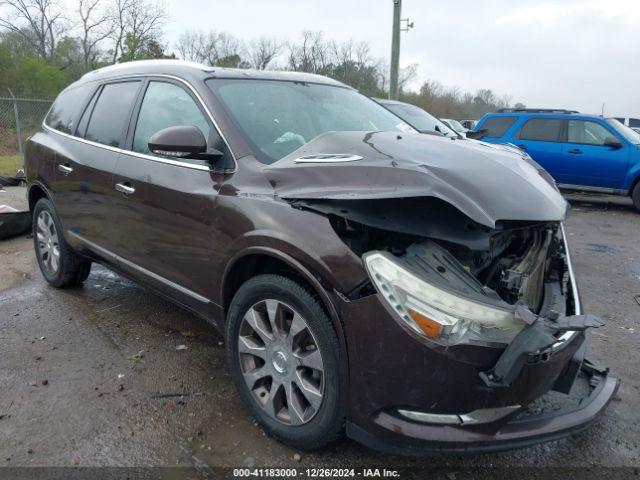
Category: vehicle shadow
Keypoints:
(584, 201)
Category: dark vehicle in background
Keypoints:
(413, 291)
(629, 122)
(469, 124)
(418, 118)
(581, 152)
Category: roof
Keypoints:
(192, 69)
(387, 101)
(535, 110)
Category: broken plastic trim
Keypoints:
(533, 344)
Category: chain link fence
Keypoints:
(19, 119)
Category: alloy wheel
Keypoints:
(48, 244)
(281, 363)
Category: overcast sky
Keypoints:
(564, 53)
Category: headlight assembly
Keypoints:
(435, 313)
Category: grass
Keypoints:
(9, 165)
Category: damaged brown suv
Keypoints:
(412, 291)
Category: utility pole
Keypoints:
(395, 47)
(395, 50)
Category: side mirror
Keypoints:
(613, 143)
(477, 135)
(182, 141)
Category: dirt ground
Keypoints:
(94, 376)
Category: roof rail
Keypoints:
(535, 110)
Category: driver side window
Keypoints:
(587, 133)
(166, 105)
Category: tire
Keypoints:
(319, 423)
(66, 268)
(635, 196)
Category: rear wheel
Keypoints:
(635, 196)
(286, 361)
(59, 264)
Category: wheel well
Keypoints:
(257, 264)
(633, 185)
(35, 194)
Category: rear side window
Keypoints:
(541, 129)
(111, 113)
(498, 126)
(67, 107)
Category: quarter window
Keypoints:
(166, 105)
(111, 113)
(67, 107)
(541, 129)
(588, 133)
(498, 126)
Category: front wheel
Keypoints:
(635, 196)
(286, 361)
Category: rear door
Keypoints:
(496, 128)
(541, 138)
(86, 159)
(165, 210)
(586, 159)
(101, 133)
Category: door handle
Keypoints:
(125, 188)
(575, 151)
(522, 147)
(65, 169)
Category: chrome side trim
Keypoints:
(476, 417)
(585, 188)
(151, 157)
(328, 158)
(568, 336)
(140, 269)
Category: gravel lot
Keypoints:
(93, 376)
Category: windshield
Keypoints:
(456, 125)
(278, 117)
(629, 134)
(419, 118)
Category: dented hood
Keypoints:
(484, 182)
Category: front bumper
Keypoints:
(400, 373)
(399, 436)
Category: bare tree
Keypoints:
(118, 26)
(37, 22)
(263, 51)
(311, 55)
(211, 48)
(134, 22)
(96, 26)
(193, 46)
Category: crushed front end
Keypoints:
(475, 325)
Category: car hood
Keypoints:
(485, 182)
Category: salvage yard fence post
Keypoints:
(19, 119)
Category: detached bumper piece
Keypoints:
(534, 344)
(551, 417)
(13, 222)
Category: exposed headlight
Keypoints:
(436, 313)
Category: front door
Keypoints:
(588, 161)
(166, 206)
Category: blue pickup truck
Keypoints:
(581, 152)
